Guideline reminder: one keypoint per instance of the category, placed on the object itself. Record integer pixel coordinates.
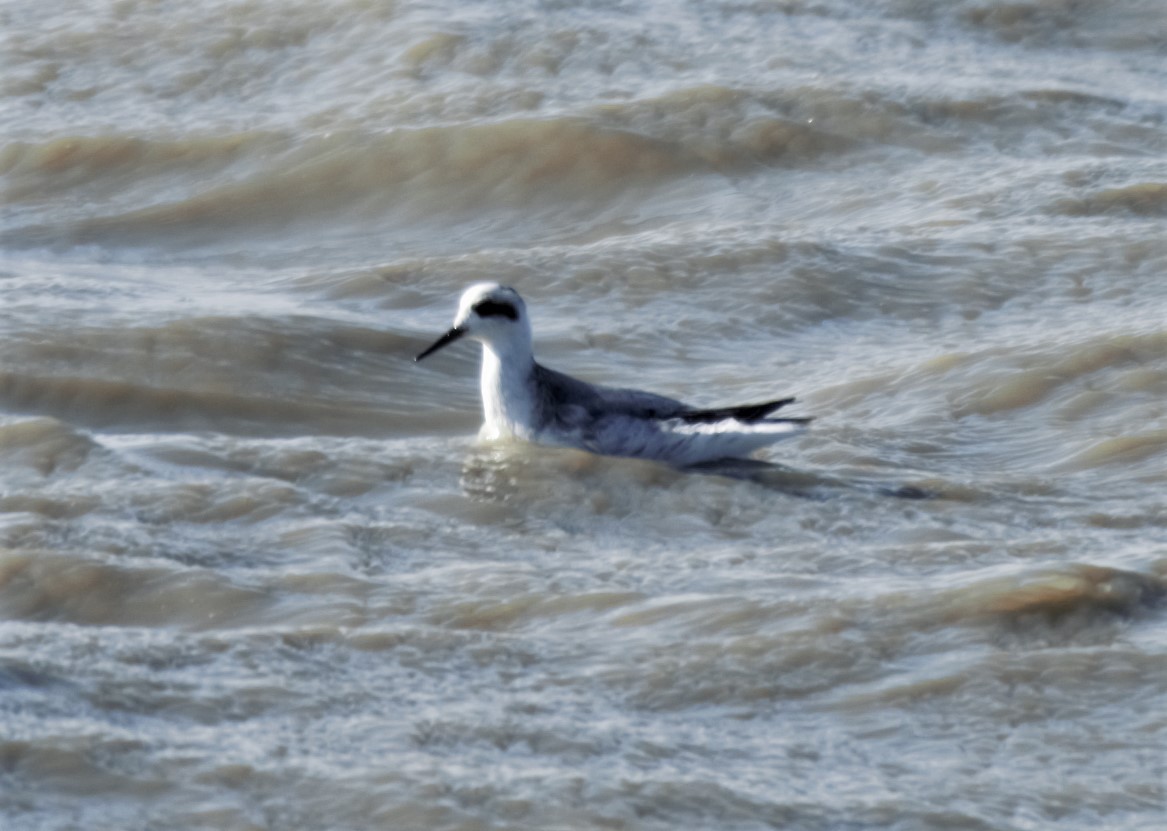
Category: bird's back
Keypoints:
(557, 391)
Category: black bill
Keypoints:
(444, 340)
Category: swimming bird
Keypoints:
(524, 399)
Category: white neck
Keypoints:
(507, 405)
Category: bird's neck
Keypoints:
(508, 405)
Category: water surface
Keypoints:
(256, 572)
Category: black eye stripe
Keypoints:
(496, 308)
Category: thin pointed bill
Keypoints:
(444, 340)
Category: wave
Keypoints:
(34, 169)
(145, 192)
(247, 377)
(43, 445)
(1033, 377)
(40, 585)
(651, 155)
(1147, 199)
(1120, 26)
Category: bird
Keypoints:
(523, 399)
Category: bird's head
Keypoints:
(492, 314)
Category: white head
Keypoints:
(492, 314)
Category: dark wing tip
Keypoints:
(746, 412)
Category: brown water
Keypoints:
(256, 573)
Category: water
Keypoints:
(255, 571)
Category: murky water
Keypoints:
(256, 573)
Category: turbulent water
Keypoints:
(257, 573)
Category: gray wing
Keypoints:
(562, 396)
(624, 422)
(607, 420)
